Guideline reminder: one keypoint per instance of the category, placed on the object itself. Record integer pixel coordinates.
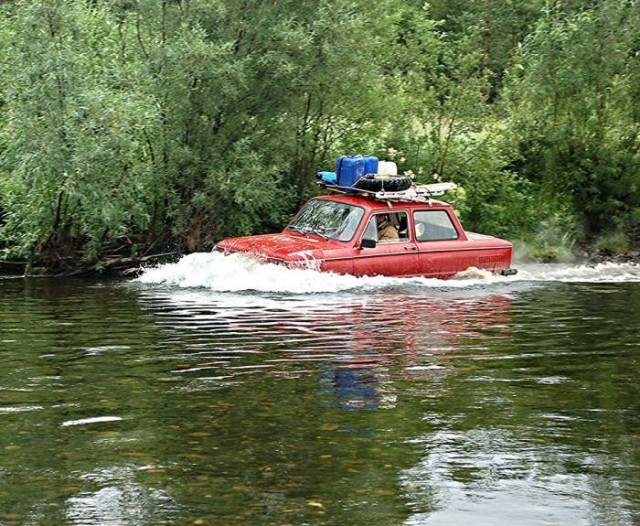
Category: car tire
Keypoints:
(391, 183)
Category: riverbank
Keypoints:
(121, 263)
(123, 259)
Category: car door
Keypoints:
(391, 256)
(443, 251)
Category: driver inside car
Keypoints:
(387, 232)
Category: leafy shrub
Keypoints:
(614, 244)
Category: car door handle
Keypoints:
(413, 248)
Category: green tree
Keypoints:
(141, 123)
(71, 144)
(574, 103)
(191, 119)
(451, 132)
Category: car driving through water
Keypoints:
(373, 235)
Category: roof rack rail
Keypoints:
(422, 192)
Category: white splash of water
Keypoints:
(241, 272)
(599, 273)
(93, 420)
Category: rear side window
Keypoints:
(434, 225)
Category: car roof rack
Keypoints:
(415, 193)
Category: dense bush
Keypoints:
(574, 106)
(183, 121)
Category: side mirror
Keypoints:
(368, 243)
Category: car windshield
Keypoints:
(328, 219)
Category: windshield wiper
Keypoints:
(298, 229)
(305, 231)
(318, 233)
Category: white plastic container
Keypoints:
(387, 168)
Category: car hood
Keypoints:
(283, 246)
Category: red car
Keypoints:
(357, 235)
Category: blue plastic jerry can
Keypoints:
(328, 177)
(370, 164)
(350, 168)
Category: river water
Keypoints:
(221, 391)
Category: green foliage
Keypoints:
(186, 121)
(153, 118)
(613, 244)
(552, 241)
(72, 144)
(574, 102)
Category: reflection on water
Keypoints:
(120, 499)
(392, 404)
(492, 476)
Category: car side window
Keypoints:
(371, 232)
(388, 227)
(434, 225)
